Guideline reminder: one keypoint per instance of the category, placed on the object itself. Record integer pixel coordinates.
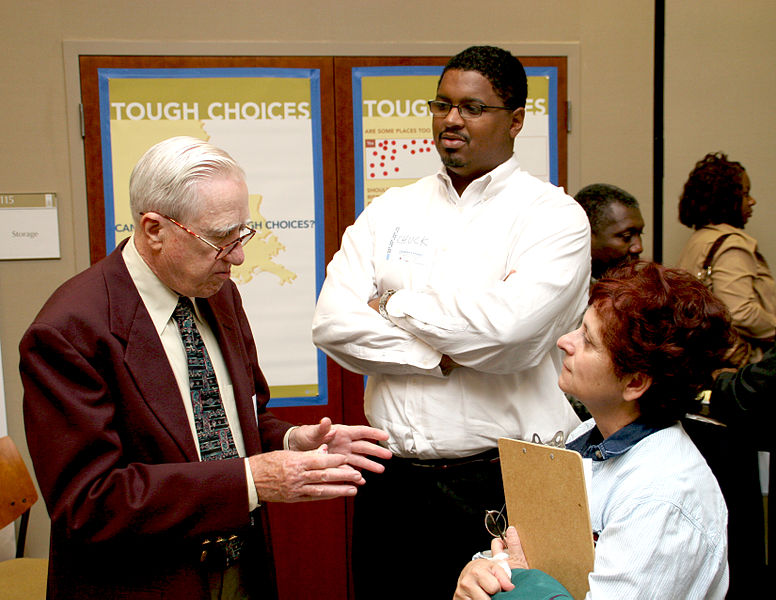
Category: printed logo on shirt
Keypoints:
(407, 246)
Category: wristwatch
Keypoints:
(383, 301)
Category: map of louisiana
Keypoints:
(261, 252)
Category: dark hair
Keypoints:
(596, 198)
(664, 323)
(504, 72)
(713, 193)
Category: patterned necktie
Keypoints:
(213, 433)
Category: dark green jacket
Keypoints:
(531, 584)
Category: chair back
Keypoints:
(17, 491)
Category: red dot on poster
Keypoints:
(385, 173)
(412, 152)
(374, 153)
(393, 158)
(382, 164)
(371, 174)
(396, 169)
(404, 146)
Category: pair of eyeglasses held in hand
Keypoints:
(496, 523)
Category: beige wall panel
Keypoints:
(720, 86)
(615, 120)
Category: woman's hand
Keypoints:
(482, 578)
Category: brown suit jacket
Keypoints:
(130, 503)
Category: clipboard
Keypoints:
(546, 501)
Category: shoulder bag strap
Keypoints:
(714, 247)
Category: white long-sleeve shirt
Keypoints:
(491, 279)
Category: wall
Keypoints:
(611, 118)
(720, 86)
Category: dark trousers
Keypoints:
(421, 525)
(732, 456)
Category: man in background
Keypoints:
(450, 293)
(145, 407)
(616, 225)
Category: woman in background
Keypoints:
(716, 202)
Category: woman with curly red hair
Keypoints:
(717, 203)
(648, 343)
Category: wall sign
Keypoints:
(29, 226)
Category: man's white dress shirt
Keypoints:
(491, 279)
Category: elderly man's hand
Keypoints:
(288, 476)
(352, 441)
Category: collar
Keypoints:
(727, 228)
(742, 238)
(591, 444)
(484, 187)
(160, 301)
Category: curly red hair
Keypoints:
(664, 323)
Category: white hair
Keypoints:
(165, 178)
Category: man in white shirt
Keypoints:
(449, 293)
(145, 407)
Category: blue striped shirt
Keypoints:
(661, 518)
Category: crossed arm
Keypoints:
(495, 315)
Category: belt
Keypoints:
(441, 464)
(223, 550)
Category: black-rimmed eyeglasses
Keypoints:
(467, 110)
(221, 251)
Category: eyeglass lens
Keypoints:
(466, 110)
(496, 522)
(243, 240)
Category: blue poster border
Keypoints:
(552, 110)
(314, 76)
